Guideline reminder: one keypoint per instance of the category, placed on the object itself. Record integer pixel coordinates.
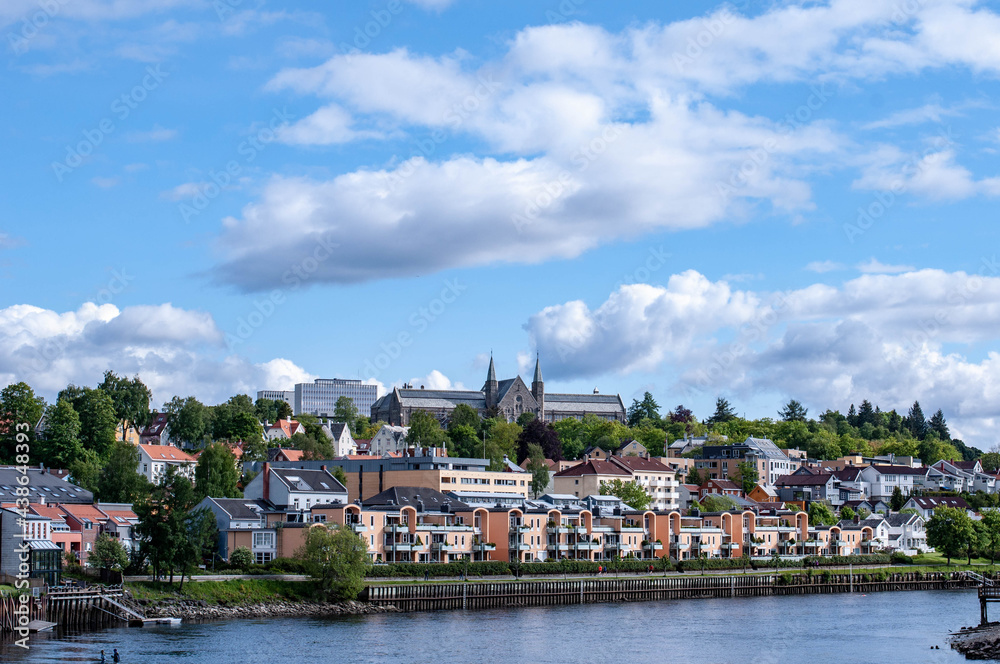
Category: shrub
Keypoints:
(241, 558)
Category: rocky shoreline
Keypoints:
(190, 610)
(978, 642)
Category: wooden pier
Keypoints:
(488, 595)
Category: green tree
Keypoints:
(501, 439)
(746, 476)
(425, 430)
(939, 425)
(20, 410)
(61, 442)
(526, 418)
(109, 554)
(284, 410)
(990, 524)
(98, 421)
(241, 558)
(216, 474)
(897, 501)
(990, 462)
(631, 493)
(694, 477)
(337, 559)
(85, 470)
(345, 410)
(647, 409)
(538, 468)
(915, 421)
(189, 420)
(723, 412)
(119, 480)
(161, 529)
(314, 446)
(847, 513)
(820, 514)
(339, 473)
(793, 412)
(245, 427)
(464, 441)
(544, 435)
(949, 530)
(266, 410)
(130, 399)
(464, 415)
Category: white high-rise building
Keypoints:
(288, 396)
(320, 396)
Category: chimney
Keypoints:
(267, 480)
(323, 468)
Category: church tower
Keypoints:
(491, 388)
(538, 389)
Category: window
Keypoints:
(262, 557)
(263, 540)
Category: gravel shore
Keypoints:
(200, 610)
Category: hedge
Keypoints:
(499, 568)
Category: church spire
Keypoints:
(538, 370)
(492, 375)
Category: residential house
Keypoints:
(86, 520)
(29, 538)
(657, 479)
(296, 489)
(885, 479)
(907, 533)
(719, 488)
(120, 523)
(586, 478)
(157, 432)
(43, 486)
(155, 459)
(925, 505)
(340, 437)
(389, 440)
(808, 487)
(239, 514)
(283, 430)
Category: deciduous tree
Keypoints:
(631, 493)
(216, 474)
(337, 559)
(949, 530)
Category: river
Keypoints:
(815, 629)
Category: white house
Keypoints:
(907, 533)
(154, 460)
(340, 436)
(883, 480)
(925, 505)
(295, 488)
(389, 440)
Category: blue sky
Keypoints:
(757, 200)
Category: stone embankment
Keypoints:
(978, 642)
(201, 610)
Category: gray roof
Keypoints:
(766, 447)
(318, 481)
(242, 509)
(593, 403)
(436, 399)
(897, 520)
(42, 485)
(432, 499)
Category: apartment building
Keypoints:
(155, 459)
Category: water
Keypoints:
(817, 629)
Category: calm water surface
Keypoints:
(815, 629)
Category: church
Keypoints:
(507, 398)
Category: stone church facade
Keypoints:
(508, 398)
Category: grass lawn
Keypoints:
(229, 593)
(939, 559)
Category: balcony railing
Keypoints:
(653, 546)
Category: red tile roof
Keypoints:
(81, 512)
(166, 453)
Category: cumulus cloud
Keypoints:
(875, 266)
(175, 351)
(435, 380)
(824, 266)
(890, 338)
(588, 136)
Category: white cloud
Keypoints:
(105, 183)
(881, 337)
(874, 266)
(825, 266)
(925, 113)
(435, 380)
(590, 136)
(175, 351)
(8, 241)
